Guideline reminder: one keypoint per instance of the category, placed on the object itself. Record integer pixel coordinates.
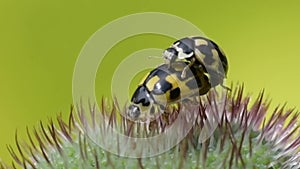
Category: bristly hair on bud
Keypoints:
(242, 137)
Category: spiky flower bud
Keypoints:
(239, 136)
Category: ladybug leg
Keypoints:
(225, 87)
(183, 74)
(169, 65)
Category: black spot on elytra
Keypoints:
(161, 87)
(175, 93)
(215, 78)
(141, 95)
(222, 57)
(207, 51)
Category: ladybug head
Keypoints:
(142, 107)
(170, 54)
(182, 49)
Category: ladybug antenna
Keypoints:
(154, 57)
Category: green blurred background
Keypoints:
(40, 41)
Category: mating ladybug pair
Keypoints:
(193, 65)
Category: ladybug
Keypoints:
(201, 53)
(163, 86)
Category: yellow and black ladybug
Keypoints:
(200, 52)
(165, 85)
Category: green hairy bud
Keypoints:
(239, 136)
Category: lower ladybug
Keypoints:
(165, 85)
